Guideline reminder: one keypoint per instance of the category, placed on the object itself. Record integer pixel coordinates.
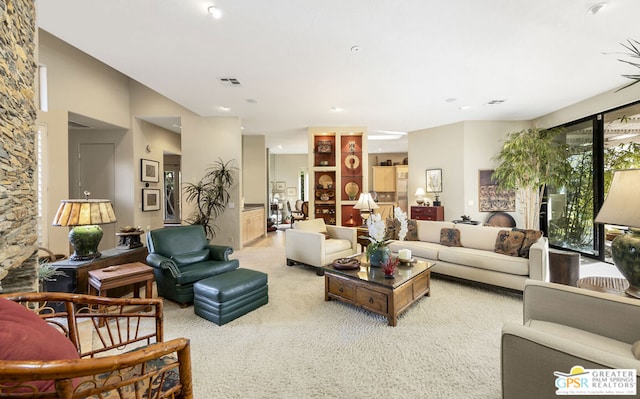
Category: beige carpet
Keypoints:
(299, 346)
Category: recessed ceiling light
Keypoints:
(252, 101)
(595, 8)
(464, 107)
(215, 12)
(336, 109)
(223, 108)
(355, 49)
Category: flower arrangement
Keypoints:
(377, 231)
(402, 218)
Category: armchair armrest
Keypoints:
(305, 246)
(162, 262)
(599, 313)
(344, 233)
(539, 259)
(219, 252)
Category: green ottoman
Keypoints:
(229, 295)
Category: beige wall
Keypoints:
(286, 168)
(82, 85)
(460, 150)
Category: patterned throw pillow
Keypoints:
(509, 242)
(412, 233)
(450, 237)
(392, 229)
(530, 237)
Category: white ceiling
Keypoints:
(419, 61)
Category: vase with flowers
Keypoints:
(378, 250)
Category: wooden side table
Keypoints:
(116, 276)
(364, 242)
(610, 285)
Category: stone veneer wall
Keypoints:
(18, 207)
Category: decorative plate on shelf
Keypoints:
(351, 189)
(351, 161)
(325, 180)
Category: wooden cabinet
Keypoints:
(427, 213)
(254, 224)
(384, 179)
(337, 171)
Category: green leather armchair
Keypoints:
(181, 256)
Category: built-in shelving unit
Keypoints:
(338, 169)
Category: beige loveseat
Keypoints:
(476, 259)
(564, 327)
(314, 243)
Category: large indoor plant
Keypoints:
(528, 161)
(211, 195)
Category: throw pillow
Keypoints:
(635, 349)
(509, 242)
(392, 229)
(530, 237)
(25, 336)
(412, 230)
(314, 225)
(450, 237)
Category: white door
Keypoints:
(96, 171)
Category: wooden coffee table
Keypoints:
(366, 287)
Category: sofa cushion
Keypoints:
(412, 230)
(333, 245)
(25, 336)
(530, 237)
(488, 260)
(191, 257)
(421, 249)
(450, 237)
(589, 339)
(429, 231)
(478, 237)
(509, 242)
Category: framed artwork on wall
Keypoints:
(150, 199)
(149, 170)
(281, 186)
(491, 199)
(291, 191)
(434, 180)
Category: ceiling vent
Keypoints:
(76, 125)
(229, 82)
(495, 102)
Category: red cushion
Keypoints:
(25, 336)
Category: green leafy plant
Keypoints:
(528, 161)
(633, 46)
(211, 195)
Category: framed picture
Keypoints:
(490, 198)
(149, 170)
(281, 186)
(291, 191)
(150, 199)
(434, 180)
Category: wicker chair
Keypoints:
(120, 346)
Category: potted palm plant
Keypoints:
(211, 195)
(528, 161)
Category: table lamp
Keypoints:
(84, 215)
(420, 196)
(365, 205)
(621, 208)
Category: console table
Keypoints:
(77, 272)
(427, 213)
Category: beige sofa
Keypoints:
(476, 260)
(564, 327)
(314, 243)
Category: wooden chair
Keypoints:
(297, 213)
(107, 366)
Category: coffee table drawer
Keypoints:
(421, 285)
(372, 300)
(342, 288)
